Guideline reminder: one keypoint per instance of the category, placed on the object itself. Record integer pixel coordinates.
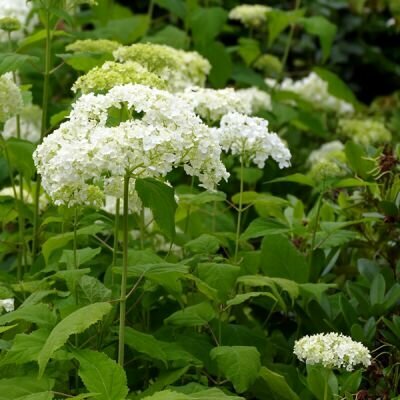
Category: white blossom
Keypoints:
(10, 98)
(332, 350)
(7, 304)
(250, 138)
(315, 90)
(87, 157)
(252, 15)
(30, 124)
(258, 99)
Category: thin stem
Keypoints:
(75, 238)
(187, 222)
(326, 397)
(122, 307)
(240, 211)
(116, 229)
(141, 226)
(315, 227)
(289, 41)
(45, 102)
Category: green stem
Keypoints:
(289, 42)
(122, 308)
(326, 396)
(116, 229)
(141, 225)
(315, 227)
(45, 102)
(75, 238)
(240, 211)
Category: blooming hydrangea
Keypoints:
(364, 131)
(20, 10)
(10, 98)
(93, 46)
(7, 304)
(111, 74)
(258, 99)
(328, 161)
(249, 138)
(86, 158)
(212, 105)
(315, 90)
(30, 124)
(179, 68)
(332, 350)
(251, 15)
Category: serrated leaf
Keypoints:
(204, 244)
(159, 197)
(197, 315)
(242, 297)
(74, 323)
(277, 384)
(102, 375)
(38, 314)
(295, 178)
(14, 388)
(91, 290)
(82, 256)
(239, 364)
(263, 226)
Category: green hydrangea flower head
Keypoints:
(110, 74)
(364, 131)
(329, 161)
(250, 15)
(10, 98)
(93, 46)
(181, 69)
(10, 24)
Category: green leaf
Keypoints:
(102, 375)
(357, 159)
(146, 344)
(91, 290)
(324, 29)
(159, 197)
(171, 36)
(197, 315)
(249, 50)
(221, 277)
(206, 24)
(37, 396)
(38, 37)
(296, 178)
(279, 20)
(82, 256)
(20, 153)
(336, 86)
(176, 7)
(239, 364)
(277, 384)
(74, 323)
(126, 30)
(377, 291)
(204, 244)
(263, 226)
(242, 297)
(85, 61)
(279, 258)
(25, 348)
(38, 314)
(15, 388)
(13, 61)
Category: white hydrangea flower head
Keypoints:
(30, 124)
(315, 90)
(249, 138)
(179, 68)
(258, 99)
(328, 161)
(20, 10)
(250, 15)
(332, 350)
(86, 158)
(364, 131)
(10, 98)
(212, 104)
(110, 74)
(7, 304)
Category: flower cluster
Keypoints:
(30, 124)
(112, 74)
(211, 105)
(7, 304)
(332, 350)
(258, 99)
(315, 90)
(364, 131)
(93, 46)
(181, 69)
(251, 15)
(87, 157)
(10, 98)
(328, 161)
(20, 10)
(249, 138)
